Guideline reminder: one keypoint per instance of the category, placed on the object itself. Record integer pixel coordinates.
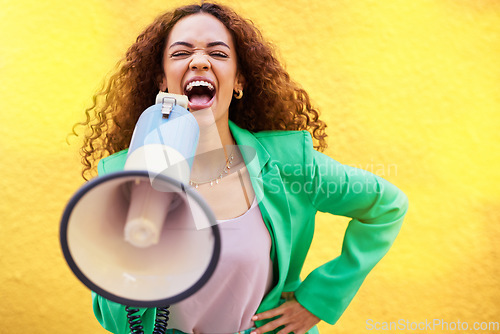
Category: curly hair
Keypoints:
(272, 101)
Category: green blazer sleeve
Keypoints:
(377, 209)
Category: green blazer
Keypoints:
(292, 182)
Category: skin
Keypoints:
(293, 316)
(200, 46)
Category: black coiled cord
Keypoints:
(161, 321)
(135, 322)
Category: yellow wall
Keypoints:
(410, 89)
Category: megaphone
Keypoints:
(141, 236)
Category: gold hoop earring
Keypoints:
(238, 94)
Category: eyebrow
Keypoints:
(209, 45)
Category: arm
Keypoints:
(377, 209)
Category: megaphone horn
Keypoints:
(141, 236)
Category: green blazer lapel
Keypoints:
(276, 213)
(273, 203)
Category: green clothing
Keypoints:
(293, 182)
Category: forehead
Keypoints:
(199, 29)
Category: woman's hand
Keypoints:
(292, 315)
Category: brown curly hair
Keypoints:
(272, 101)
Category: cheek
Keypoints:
(174, 79)
(226, 92)
(227, 80)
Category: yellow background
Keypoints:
(410, 90)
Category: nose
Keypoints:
(200, 62)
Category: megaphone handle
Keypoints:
(135, 321)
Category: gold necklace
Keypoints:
(224, 172)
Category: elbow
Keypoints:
(403, 203)
(399, 208)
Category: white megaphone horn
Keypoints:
(141, 236)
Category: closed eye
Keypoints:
(219, 54)
(178, 54)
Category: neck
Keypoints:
(215, 144)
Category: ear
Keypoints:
(163, 83)
(239, 83)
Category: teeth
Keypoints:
(199, 83)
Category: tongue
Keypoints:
(200, 99)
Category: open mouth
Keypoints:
(200, 93)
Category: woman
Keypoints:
(233, 80)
